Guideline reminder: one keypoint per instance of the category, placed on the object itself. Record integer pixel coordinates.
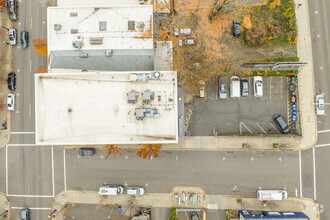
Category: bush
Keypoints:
(172, 214)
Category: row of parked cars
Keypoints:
(241, 87)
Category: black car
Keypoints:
(237, 28)
(86, 151)
(12, 6)
(25, 39)
(11, 81)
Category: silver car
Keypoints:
(319, 105)
(12, 33)
(222, 91)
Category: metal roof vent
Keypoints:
(77, 44)
(74, 31)
(73, 14)
(57, 27)
(96, 40)
(139, 24)
(84, 55)
(131, 25)
(102, 25)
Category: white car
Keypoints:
(319, 105)
(11, 102)
(257, 84)
(135, 190)
(12, 34)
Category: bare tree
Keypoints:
(130, 207)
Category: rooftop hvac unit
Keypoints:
(77, 44)
(74, 31)
(57, 27)
(96, 40)
(139, 24)
(148, 96)
(131, 96)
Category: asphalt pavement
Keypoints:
(320, 29)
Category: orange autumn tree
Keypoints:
(41, 69)
(112, 149)
(40, 46)
(149, 150)
(3, 3)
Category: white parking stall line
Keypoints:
(323, 131)
(300, 177)
(64, 166)
(281, 87)
(6, 169)
(53, 173)
(270, 87)
(32, 196)
(322, 145)
(23, 145)
(22, 132)
(32, 208)
(246, 127)
(261, 128)
(314, 173)
(275, 128)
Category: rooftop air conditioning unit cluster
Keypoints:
(57, 27)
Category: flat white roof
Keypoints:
(98, 2)
(101, 27)
(93, 108)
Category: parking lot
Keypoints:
(245, 115)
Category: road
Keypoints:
(31, 175)
(320, 29)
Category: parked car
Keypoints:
(111, 190)
(12, 33)
(86, 151)
(25, 39)
(11, 81)
(257, 82)
(11, 102)
(135, 190)
(272, 195)
(237, 28)
(194, 216)
(222, 91)
(182, 31)
(12, 6)
(282, 124)
(319, 105)
(25, 214)
(245, 87)
(234, 87)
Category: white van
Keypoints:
(272, 195)
(234, 87)
(111, 190)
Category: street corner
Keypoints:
(5, 131)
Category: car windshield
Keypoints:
(9, 105)
(321, 105)
(10, 37)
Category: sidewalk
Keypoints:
(4, 206)
(162, 200)
(5, 67)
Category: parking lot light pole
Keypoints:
(4, 27)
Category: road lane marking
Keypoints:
(323, 131)
(314, 173)
(31, 196)
(53, 178)
(22, 132)
(64, 166)
(6, 169)
(19, 145)
(31, 22)
(322, 145)
(300, 178)
(30, 66)
(261, 128)
(30, 110)
(274, 127)
(32, 208)
(296, 192)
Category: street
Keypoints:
(32, 175)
